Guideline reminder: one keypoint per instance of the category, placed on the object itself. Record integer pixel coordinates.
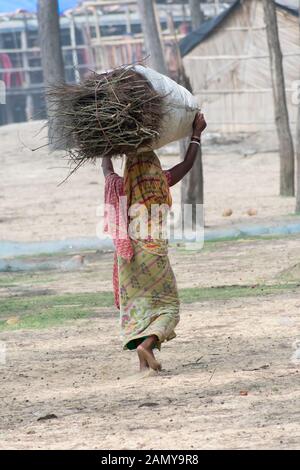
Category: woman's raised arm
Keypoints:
(180, 170)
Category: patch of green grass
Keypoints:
(190, 295)
(49, 310)
(47, 318)
(250, 238)
(19, 305)
(55, 254)
(17, 279)
(213, 245)
(7, 279)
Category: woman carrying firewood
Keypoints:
(144, 284)
(122, 112)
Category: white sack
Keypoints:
(181, 107)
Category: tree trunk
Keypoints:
(192, 185)
(151, 36)
(52, 60)
(286, 148)
(197, 15)
(298, 161)
(298, 145)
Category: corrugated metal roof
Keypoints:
(208, 27)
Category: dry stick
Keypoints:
(212, 374)
(80, 164)
(137, 121)
(98, 116)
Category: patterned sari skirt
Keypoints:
(149, 303)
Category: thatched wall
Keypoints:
(233, 88)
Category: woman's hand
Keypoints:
(107, 166)
(199, 125)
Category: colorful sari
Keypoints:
(144, 283)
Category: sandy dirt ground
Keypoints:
(230, 379)
(34, 208)
(79, 374)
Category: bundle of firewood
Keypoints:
(107, 114)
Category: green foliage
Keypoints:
(49, 310)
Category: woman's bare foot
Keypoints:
(145, 352)
(143, 363)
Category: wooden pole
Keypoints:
(197, 16)
(29, 105)
(52, 60)
(217, 7)
(99, 52)
(74, 48)
(286, 147)
(151, 36)
(298, 140)
(192, 185)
